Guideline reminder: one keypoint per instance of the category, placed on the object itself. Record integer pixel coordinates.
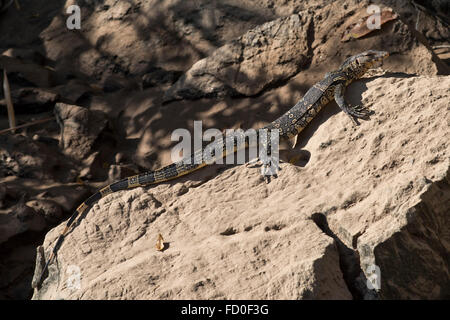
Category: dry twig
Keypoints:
(9, 103)
(32, 123)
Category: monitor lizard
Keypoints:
(289, 125)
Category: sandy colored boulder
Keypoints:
(320, 231)
(31, 100)
(80, 128)
(34, 73)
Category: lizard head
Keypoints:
(360, 63)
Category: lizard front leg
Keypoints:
(357, 111)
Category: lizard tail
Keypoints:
(166, 173)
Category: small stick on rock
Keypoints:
(32, 123)
(9, 104)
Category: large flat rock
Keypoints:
(370, 196)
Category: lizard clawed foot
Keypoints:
(359, 111)
(267, 177)
(268, 169)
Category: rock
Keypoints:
(429, 17)
(24, 157)
(73, 91)
(15, 268)
(80, 128)
(321, 267)
(117, 172)
(29, 55)
(21, 219)
(158, 76)
(264, 56)
(51, 210)
(66, 196)
(277, 50)
(39, 267)
(120, 157)
(119, 10)
(91, 164)
(113, 84)
(2, 196)
(397, 37)
(359, 211)
(412, 248)
(38, 75)
(31, 100)
(45, 192)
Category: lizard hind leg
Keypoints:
(357, 111)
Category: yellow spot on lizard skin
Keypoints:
(319, 87)
(82, 207)
(133, 181)
(105, 191)
(179, 166)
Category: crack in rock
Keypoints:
(349, 263)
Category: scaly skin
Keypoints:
(289, 125)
